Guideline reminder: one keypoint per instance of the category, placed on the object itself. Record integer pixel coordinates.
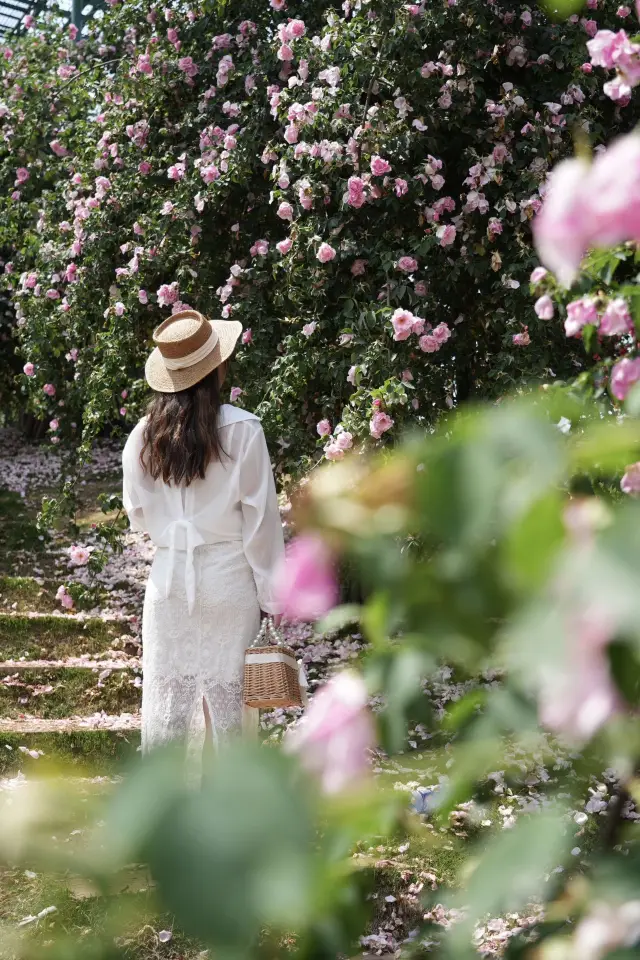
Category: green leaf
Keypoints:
(339, 618)
(531, 543)
(606, 445)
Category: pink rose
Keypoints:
(143, 296)
(235, 393)
(309, 328)
(144, 167)
(401, 187)
(333, 452)
(630, 482)
(209, 173)
(544, 307)
(446, 234)
(623, 376)
(79, 555)
(579, 314)
(284, 245)
(176, 171)
(577, 699)
(407, 264)
(616, 319)
(64, 597)
(428, 344)
(53, 294)
(58, 148)
(49, 389)
(323, 428)
(291, 133)
(285, 211)
(379, 166)
(336, 734)
(521, 339)
(29, 370)
(119, 308)
(22, 175)
(442, 333)
(379, 424)
(344, 440)
(247, 336)
(420, 288)
(187, 66)
(358, 267)
(307, 586)
(167, 294)
(537, 275)
(402, 322)
(325, 253)
(296, 29)
(285, 53)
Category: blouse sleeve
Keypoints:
(261, 525)
(130, 495)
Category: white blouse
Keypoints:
(236, 501)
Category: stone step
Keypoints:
(33, 690)
(99, 721)
(77, 663)
(46, 636)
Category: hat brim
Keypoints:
(160, 378)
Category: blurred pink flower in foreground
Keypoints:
(589, 205)
(606, 927)
(623, 376)
(579, 697)
(337, 732)
(235, 393)
(630, 482)
(307, 585)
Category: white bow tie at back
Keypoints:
(193, 540)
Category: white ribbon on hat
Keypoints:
(181, 363)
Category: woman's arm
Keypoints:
(130, 498)
(261, 525)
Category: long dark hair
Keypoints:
(181, 436)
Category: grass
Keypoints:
(131, 917)
(51, 637)
(89, 752)
(61, 692)
(25, 594)
(18, 531)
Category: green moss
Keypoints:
(66, 691)
(54, 637)
(97, 752)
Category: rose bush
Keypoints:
(354, 183)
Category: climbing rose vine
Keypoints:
(353, 182)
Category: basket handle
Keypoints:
(268, 634)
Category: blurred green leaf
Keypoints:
(513, 871)
(339, 618)
(606, 445)
(532, 542)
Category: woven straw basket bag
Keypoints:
(272, 675)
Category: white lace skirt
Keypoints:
(190, 659)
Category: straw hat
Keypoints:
(188, 347)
